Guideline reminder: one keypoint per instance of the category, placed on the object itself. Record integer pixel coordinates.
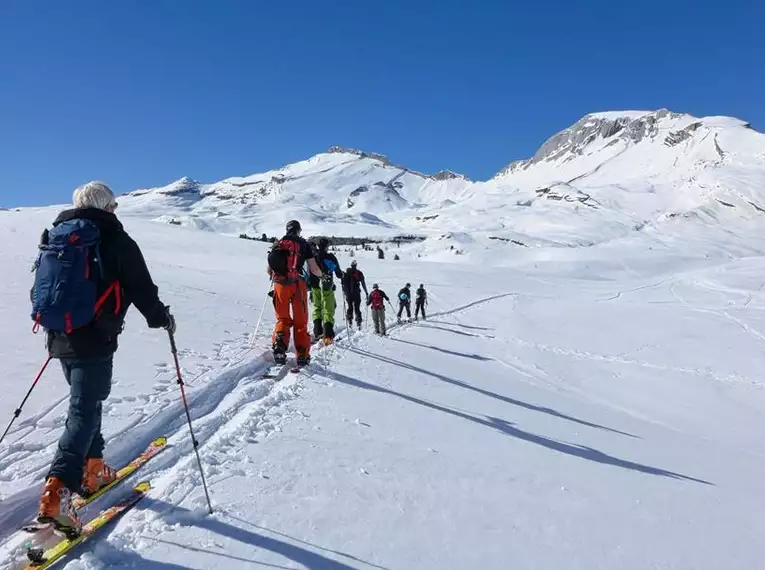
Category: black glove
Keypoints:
(271, 293)
(170, 324)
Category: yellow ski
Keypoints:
(40, 559)
(154, 448)
(78, 502)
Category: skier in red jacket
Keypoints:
(376, 301)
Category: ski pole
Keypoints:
(347, 322)
(194, 441)
(254, 335)
(17, 412)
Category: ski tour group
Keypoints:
(88, 273)
(294, 267)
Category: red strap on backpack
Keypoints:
(113, 289)
(293, 258)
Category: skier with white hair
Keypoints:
(87, 275)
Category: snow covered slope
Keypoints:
(653, 177)
(579, 416)
(657, 171)
(345, 192)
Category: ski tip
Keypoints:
(160, 441)
(142, 487)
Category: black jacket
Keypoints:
(422, 296)
(122, 261)
(353, 280)
(406, 291)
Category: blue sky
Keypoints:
(140, 93)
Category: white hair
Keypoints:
(94, 195)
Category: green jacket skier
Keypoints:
(323, 293)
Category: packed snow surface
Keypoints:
(595, 409)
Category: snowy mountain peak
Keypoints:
(596, 132)
(438, 176)
(360, 153)
(185, 185)
(609, 176)
(448, 175)
(576, 140)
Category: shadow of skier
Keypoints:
(214, 523)
(508, 428)
(507, 399)
(444, 350)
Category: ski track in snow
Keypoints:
(234, 406)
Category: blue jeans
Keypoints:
(90, 382)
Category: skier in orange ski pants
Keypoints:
(294, 295)
(286, 261)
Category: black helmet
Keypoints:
(422, 286)
(375, 286)
(293, 227)
(353, 263)
(323, 243)
(408, 284)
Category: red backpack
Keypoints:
(377, 299)
(284, 259)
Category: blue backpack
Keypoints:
(67, 274)
(404, 297)
(330, 265)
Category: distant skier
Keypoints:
(353, 282)
(405, 301)
(377, 300)
(323, 293)
(88, 274)
(420, 301)
(285, 267)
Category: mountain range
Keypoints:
(654, 176)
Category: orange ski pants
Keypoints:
(294, 295)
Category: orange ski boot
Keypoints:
(95, 475)
(56, 508)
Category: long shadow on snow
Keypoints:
(445, 351)
(507, 399)
(461, 333)
(396, 325)
(469, 327)
(112, 557)
(292, 538)
(581, 451)
(18, 509)
(212, 523)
